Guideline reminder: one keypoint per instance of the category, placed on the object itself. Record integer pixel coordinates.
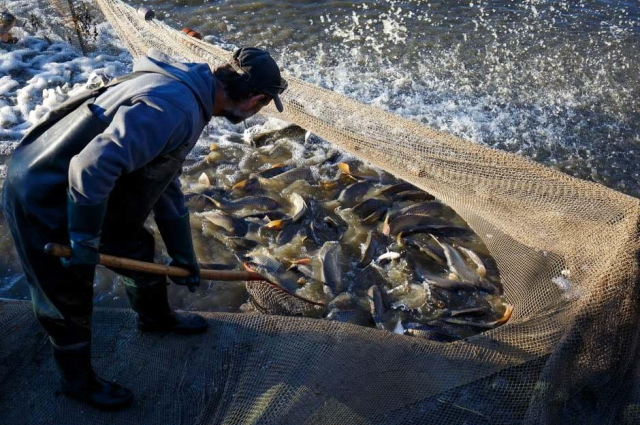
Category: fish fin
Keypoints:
(344, 167)
(240, 184)
(218, 204)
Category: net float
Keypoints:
(192, 33)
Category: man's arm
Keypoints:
(171, 203)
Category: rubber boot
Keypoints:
(154, 313)
(79, 381)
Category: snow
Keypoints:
(42, 70)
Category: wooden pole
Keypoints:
(154, 268)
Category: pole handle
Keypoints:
(111, 261)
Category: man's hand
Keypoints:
(85, 225)
(176, 234)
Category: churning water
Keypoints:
(556, 81)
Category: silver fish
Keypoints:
(457, 264)
(262, 203)
(369, 249)
(299, 207)
(275, 271)
(269, 136)
(353, 194)
(481, 270)
(397, 188)
(369, 206)
(408, 224)
(231, 225)
(430, 208)
(436, 255)
(376, 302)
(413, 195)
(331, 273)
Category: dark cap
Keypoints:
(260, 71)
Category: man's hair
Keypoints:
(235, 85)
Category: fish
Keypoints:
(435, 254)
(288, 233)
(431, 333)
(428, 278)
(408, 224)
(472, 311)
(457, 264)
(408, 297)
(369, 248)
(265, 215)
(370, 206)
(389, 255)
(274, 271)
(397, 188)
(269, 136)
(278, 181)
(231, 225)
(262, 203)
(377, 305)
(355, 317)
(431, 208)
(346, 170)
(413, 195)
(331, 273)
(274, 171)
(483, 325)
(481, 270)
(354, 193)
(299, 207)
(374, 217)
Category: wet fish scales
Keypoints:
(331, 273)
(457, 264)
(397, 188)
(255, 202)
(426, 208)
(275, 271)
(369, 206)
(353, 194)
(371, 247)
(413, 195)
(376, 303)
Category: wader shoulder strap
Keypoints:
(71, 104)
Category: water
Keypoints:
(556, 81)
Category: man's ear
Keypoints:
(256, 99)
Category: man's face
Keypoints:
(236, 112)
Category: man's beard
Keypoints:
(235, 116)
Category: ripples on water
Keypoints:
(556, 81)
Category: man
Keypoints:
(89, 174)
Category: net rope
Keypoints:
(567, 251)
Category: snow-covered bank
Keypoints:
(42, 70)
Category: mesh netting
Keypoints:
(567, 251)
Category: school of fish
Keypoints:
(323, 225)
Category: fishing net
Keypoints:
(567, 251)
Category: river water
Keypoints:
(556, 81)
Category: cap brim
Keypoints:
(278, 103)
